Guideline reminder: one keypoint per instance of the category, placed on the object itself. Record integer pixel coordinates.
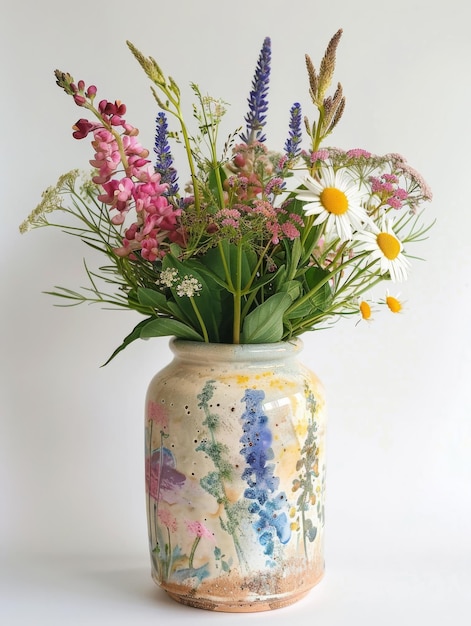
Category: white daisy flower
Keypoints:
(365, 310)
(386, 248)
(394, 304)
(336, 200)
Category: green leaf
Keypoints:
(317, 280)
(163, 327)
(175, 249)
(209, 273)
(177, 313)
(212, 261)
(133, 335)
(265, 323)
(152, 298)
(323, 296)
(306, 309)
(292, 288)
(277, 278)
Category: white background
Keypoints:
(72, 524)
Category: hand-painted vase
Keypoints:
(235, 476)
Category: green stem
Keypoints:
(322, 282)
(170, 560)
(175, 101)
(200, 319)
(157, 501)
(230, 285)
(237, 318)
(193, 550)
(232, 521)
(186, 141)
(156, 530)
(307, 229)
(248, 286)
(352, 280)
(261, 257)
(303, 523)
(318, 137)
(194, 179)
(217, 171)
(237, 297)
(335, 309)
(248, 304)
(338, 254)
(148, 486)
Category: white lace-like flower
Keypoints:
(336, 200)
(189, 287)
(385, 247)
(168, 277)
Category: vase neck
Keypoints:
(223, 352)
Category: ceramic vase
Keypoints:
(235, 476)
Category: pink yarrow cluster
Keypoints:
(118, 152)
(277, 221)
(386, 187)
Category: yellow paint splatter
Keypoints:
(301, 428)
(263, 375)
(242, 380)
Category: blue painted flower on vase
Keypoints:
(272, 521)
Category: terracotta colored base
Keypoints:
(236, 607)
(239, 603)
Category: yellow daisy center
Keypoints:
(334, 201)
(393, 303)
(389, 245)
(365, 310)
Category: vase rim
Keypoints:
(228, 351)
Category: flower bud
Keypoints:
(79, 100)
(239, 161)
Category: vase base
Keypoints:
(237, 607)
(228, 604)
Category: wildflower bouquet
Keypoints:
(260, 246)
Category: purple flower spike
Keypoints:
(292, 145)
(258, 103)
(164, 160)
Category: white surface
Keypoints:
(103, 591)
(71, 434)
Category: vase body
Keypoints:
(235, 476)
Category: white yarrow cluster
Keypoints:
(190, 286)
(168, 277)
